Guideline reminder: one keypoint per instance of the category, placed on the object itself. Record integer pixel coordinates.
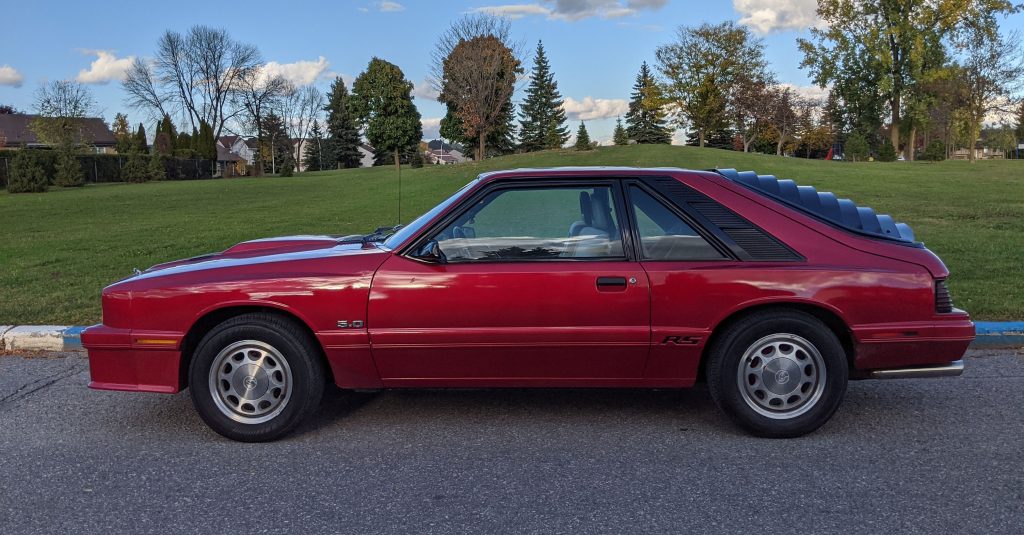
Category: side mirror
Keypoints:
(431, 252)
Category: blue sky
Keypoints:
(595, 46)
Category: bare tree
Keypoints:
(991, 73)
(64, 99)
(197, 73)
(299, 107)
(782, 116)
(257, 95)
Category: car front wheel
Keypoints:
(255, 377)
(778, 373)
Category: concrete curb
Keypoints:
(40, 338)
(62, 338)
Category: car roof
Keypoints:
(579, 172)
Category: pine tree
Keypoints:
(140, 143)
(156, 169)
(342, 133)
(620, 137)
(206, 145)
(122, 133)
(582, 138)
(542, 119)
(313, 158)
(645, 121)
(68, 171)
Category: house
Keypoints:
(16, 133)
(365, 151)
(229, 164)
(244, 148)
(441, 153)
(980, 153)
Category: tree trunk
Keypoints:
(700, 138)
(398, 161)
(746, 144)
(480, 151)
(778, 147)
(895, 118)
(911, 143)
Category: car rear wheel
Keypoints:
(778, 373)
(255, 377)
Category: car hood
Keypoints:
(266, 250)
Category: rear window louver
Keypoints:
(823, 205)
(943, 301)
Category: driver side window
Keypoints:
(539, 223)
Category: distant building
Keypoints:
(15, 133)
(440, 153)
(242, 147)
(365, 151)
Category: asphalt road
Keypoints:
(923, 455)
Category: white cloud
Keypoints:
(390, 6)
(424, 90)
(811, 92)
(10, 76)
(573, 10)
(300, 72)
(105, 68)
(431, 127)
(594, 108)
(767, 16)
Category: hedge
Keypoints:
(99, 168)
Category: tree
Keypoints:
(582, 138)
(164, 138)
(136, 168)
(903, 37)
(747, 110)
(991, 72)
(200, 73)
(276, 144)
(122, 134)
(382, 104)
(934, 151)
(342, 131)
(1020, 123)
(702, 68)
(6, 109)
(619, 137)
(259, 93)
(299, 108)
(62, 105)
(856, 147)
(782, 118)
(541, 117)
(887, 153)
(645, 120)
(140, 143)
(206, 143)
(157, 170)
(313, 159)
(478, 82)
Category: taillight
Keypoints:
(943, 302)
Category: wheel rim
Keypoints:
(250, 381)
(781, 376)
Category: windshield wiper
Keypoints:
(380, 234)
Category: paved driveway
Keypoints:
(928, 456)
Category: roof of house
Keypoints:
(15, 130)
(227, 141)
(225, 155)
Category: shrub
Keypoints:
(856, 148)
(287, 168)
(156, 168)
(135, 169)
(28, 174)
(886, 152)
(68, 170)
(416, 159)
(934, 152)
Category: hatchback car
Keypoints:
(774, 294)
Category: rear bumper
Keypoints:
(120, 359)
(911, 345)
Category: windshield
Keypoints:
(411, 229)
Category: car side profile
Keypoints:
(774, 294)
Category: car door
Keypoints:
(525, 283)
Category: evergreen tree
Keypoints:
(141, 144)
(276, 148)
(620, 137)
(722, 138)
(136, 168)
(68, 171)
(122, 133)
(342, 133)
(183, 145)
(645, 121)
(157, 170)
(500, 140)
(582, 138)
(382, 102)
(313, 158)
(166, 137)
(541, 117)
(206, 145)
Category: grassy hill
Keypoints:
(57, 250)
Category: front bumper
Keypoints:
(122, 359)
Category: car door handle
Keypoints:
(611, 284)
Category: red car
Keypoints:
(773, 293)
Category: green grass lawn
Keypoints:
(58, 249)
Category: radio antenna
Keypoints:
(399, 163)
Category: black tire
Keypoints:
(744, 393)
(269, 338)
